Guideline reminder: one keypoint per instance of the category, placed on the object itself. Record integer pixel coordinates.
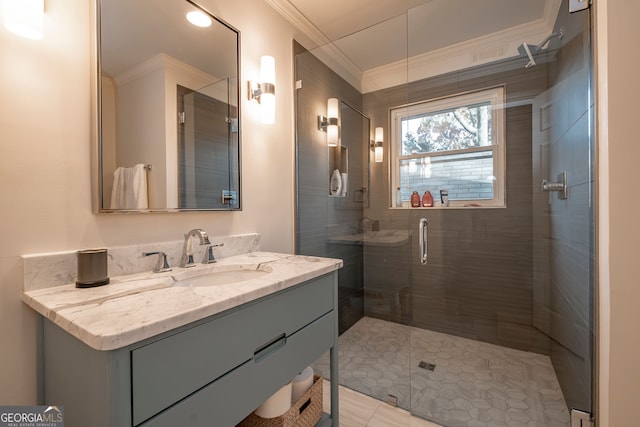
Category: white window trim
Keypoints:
(496, 96)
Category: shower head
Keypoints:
(528, 51)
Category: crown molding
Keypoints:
(492, 47)
(294, 16)
(161, 62)
(140, 70)
(471, 53)
(325, 50)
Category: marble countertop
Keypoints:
(135, 307)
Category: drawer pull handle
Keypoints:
(272, 346)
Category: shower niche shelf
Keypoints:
(338, 160)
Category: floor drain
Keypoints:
(392, 400)
(428, 366)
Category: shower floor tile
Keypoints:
(473, 384)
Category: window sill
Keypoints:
(446, 207)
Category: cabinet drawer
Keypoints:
(168, 370)
(226, 401)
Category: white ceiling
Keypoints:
(452, 20)
(133, 32)
(371, 43)
(339, 18)
(372, 37)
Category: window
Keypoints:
(454, 144)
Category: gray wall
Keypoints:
(519, 276)
(318, 216)
(522, 276)
(565, 305)
(478, 283)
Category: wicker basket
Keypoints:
(306, 412)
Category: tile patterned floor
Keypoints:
(359, 410)
(474, 384)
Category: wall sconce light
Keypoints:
(24, 17)
(378, 145)
(265, 91)
(329, 124)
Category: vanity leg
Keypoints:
(333, 361)
(40, 359)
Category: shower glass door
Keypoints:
(491, 322)
(500, 316)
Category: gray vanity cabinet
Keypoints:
(213, 372)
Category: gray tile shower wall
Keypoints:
(517, 276)
(493, 271)
(570, 241)
(478, 283)
(319, 216)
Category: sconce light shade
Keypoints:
(268, 69)
(379, 135)
(268, 98)
(333, 106)
(24, 17)
(265, 90)
(332, 135)
(333, 111)
(378, 149)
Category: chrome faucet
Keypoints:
(187, 253)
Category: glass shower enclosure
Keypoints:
(477, 310)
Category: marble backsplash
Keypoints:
(60, 268)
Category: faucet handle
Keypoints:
(209, 257)
(162, 264)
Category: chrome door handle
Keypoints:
(560, 187)
(423, 232)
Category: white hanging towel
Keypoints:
(130, 188)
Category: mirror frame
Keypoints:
(97, 182)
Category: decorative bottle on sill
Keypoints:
(415, 200)
(427, 199)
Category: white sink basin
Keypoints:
(222, 276)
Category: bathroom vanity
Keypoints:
(147, 350)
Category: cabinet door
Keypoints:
(172, 368)
(232, 397)
(92, 385)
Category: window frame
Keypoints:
(496, 97)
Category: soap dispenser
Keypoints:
(415, 200)
(427, 199)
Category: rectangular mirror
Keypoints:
(168, 111)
